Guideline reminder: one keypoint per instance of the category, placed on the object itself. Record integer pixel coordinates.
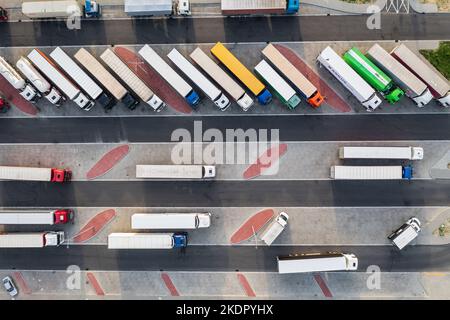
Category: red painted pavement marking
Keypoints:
(169, 284)
(95, 284)
(161, 88)
(246, 285)
(334, 100)
(23, 287)
(12, 94)
(323, 286)
(107, 162)
(251, 226)
(94, 226)
(265, 161)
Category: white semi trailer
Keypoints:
(413, 87)
(371, 172)
(35, 174)
(219, 99)
(438, 85)
(175, 171)
(168, 74)
(179, 221)
(106, 79)
(358, 87)
(31, 217)
(317, 262)
(39, 82)
(147, 240)
(51, 71)
(14, 78)
(408, 153)
(31, 240)
(157, 7)
(132, 80)
(280, 87)
(52, 9)
(81, 78)
(222, 78)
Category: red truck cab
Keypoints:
(61, 175)
(4, 105)
(3, 14)
(63, 216)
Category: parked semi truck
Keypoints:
(293, 75)
(279, 86)
(248, 7)
(317, 262)
(157, 7)
(167, 221)
(406, 233)
(60, 9)
(274, 228)
(373, 75)
(219, 99)
(49, 69)
(438, 85)
(242, 73)
(168, 74)
(147, 240)
(81, 78)
(14, 78)
(371, 172)
(413, 87)
(106, 79)
(358, 87)
(175, 171)
(35, 174)
(222, 78)
(39, 82)
(408, 153)
(48, 217)
(31, 240)
(132, 80)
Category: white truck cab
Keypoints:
(54, 238)
(38, 81)
(209, 171)
(406, 233)
(184, 8)
(274, 228)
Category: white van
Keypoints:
(406, 233)
(274, 228)
(179, 221)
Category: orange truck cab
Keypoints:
(316, 100)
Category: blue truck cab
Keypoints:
(292, 6)
(265, 97)
(92, 9)
(180, 240)
(407, 172)
(193, 99)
